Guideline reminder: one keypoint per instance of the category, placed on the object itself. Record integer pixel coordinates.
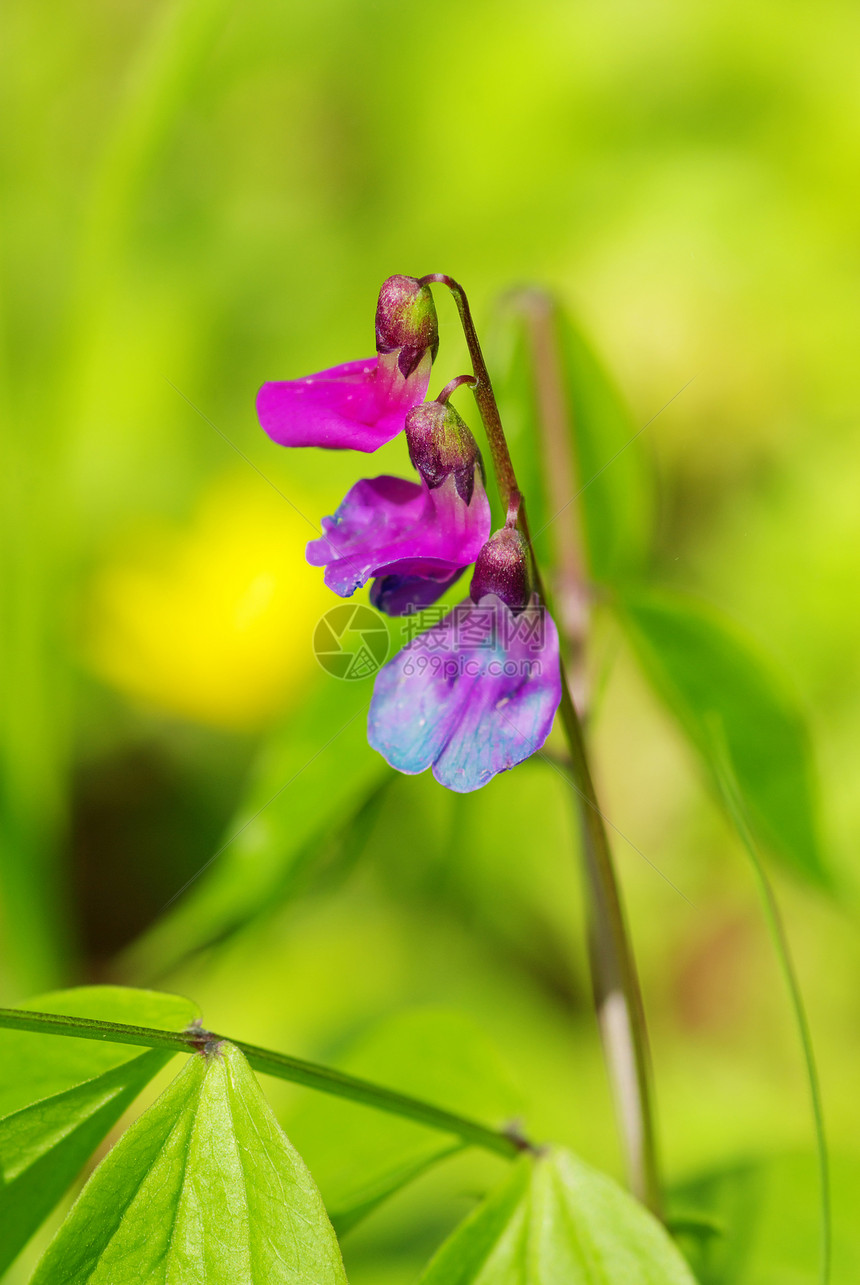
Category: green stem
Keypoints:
(617, 994)
(482, 389)
(618, 998)
(311, 1074)
(735, 806)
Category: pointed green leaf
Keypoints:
(556, 1221)
(371, 1192)
(360, 1158)
(314, 773)
(38, 1066)
(203, 1189)
(44, 1146)
(705, 669)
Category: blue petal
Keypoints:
(469, 711)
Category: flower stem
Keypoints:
(618, 998)
(453, 385)
(311, 1074)
(482, 389)
(617, 994)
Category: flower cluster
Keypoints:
(476, 692)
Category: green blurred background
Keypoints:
(200, 196)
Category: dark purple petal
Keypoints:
(471, 697)
(357, 406)
(386, 526)
(399, 595)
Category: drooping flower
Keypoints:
(413, 538)
(477, 693)
(360, 405)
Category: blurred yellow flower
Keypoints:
(212, 621)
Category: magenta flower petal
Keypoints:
(386, 526)
(471, 697)
(357, 406)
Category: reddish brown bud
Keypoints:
(406, 322)
(502, 568)
(440, 443)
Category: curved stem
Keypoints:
(618, 998)
(482, 389)
(779, 937)
(311, 1074)
(454, 384)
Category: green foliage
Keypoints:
(60, 1097)
(312, 776)
(607, 486)
(767, 1209)
(359, 1157)
(705, 669)
(611, 477)
(556, 1221)
(203, 1187)
(42, 1066)
(44, 1146)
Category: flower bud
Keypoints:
(406, 322)
(503, 568)
(440, 444)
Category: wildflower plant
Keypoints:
(205, 1185)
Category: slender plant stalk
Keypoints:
(310, 1074)
(618, 998)
(483, 390)
(617, 993)
(776, 927)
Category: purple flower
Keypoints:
(415, 540)
(477, 693)
(470, 697)
(361, 404)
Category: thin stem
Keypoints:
(311, 1074)
(482, 389)
(617, 994)
(453, 385)
(618, 997)
(779, 936)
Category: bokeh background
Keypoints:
(200, 196)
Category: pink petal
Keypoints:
(358, 406)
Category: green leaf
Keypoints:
(314, 774)
(556, 1221)
(44, 1146)
(611, 469)
(40, 1066)
(203, 1188)
(609, 483)
(769, 1211)
(361, 1157)
(706, 670)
